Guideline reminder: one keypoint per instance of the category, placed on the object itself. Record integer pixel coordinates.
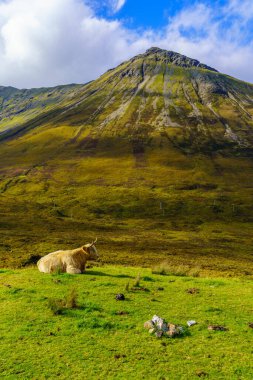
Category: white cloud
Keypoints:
(242, 8)
(117, 5)
(49, 42)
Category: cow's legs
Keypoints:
(71, 270)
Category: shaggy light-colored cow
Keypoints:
(71, 261)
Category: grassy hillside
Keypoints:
(154, 158)
(143, 208)
(105, 338)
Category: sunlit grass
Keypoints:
(103, 338)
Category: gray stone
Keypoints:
(148, 325)
(158, 334)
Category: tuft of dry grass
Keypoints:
(137, 281)
(167, 269)
(68, 302)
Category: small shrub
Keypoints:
(68, 302)
(56, 306)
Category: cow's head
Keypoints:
(91, 250)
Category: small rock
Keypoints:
(172, 330)
(148, 325)
(164, 327)
(217, 328)
(191, 323)
(158, 321)
(120, 297)
(158, 334)
(160, 327)
(160, 288)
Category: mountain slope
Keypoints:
(157, 150)
(159, 91)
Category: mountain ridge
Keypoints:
(175, 58)
(176, 92)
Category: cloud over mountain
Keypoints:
(49, 42)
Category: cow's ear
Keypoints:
(85, 249)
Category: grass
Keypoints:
(166, 268)
(104, 338)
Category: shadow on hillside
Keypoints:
(98, 273)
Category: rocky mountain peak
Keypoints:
(175, 58)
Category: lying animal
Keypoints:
(71, 261)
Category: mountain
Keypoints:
(197, 108)
(157, 150)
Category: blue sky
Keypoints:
(148, 13)
(50, 42)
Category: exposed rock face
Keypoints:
(176, 58)
(158, 93)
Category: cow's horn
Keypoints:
(94, 242)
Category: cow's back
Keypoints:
(51, 262)
(72, 261)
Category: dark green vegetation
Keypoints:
(104, 339)
(154, 158)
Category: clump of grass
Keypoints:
(137, 281)
(168, 269)
(57, 306)
(90, 307)
(136, 285)
(97, 323)
(71, 300)
(127, 287)
(194, 272)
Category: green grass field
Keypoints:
(105, 339)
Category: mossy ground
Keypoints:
(146, 206)
(105, 338)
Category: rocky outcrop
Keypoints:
(176, 58)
